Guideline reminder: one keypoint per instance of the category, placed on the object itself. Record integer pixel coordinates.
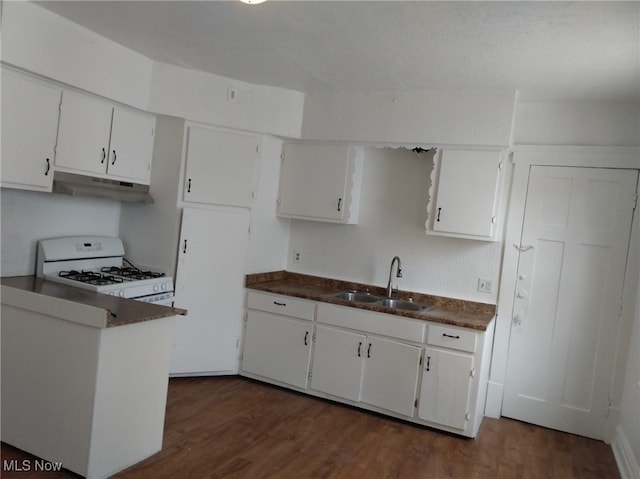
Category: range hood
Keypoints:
(80, 185)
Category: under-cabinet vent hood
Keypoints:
(79, 185)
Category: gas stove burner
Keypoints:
(90, 277)
(131, 273)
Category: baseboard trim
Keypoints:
(627, 463)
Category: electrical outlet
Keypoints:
(485, 285)
(231, 93)
(297, 256)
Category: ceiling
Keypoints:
(546, 50)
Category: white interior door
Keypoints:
(566, 312)
(209, 284)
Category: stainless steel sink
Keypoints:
(403, 304)
(391, 303)
(356, 296)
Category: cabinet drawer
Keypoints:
(284, 305)
(372, 322)
(452, 338)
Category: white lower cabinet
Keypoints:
(277, 347)
(390, 376)
(277, 339)
(430, 374)
(446, 386)
(375, 371)
(337, 362)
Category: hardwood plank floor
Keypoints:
(231, 427)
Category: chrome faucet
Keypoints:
(398, 274)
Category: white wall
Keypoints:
(269, 237)
(435, 117)
(202, 97)
(603, 124)
(626, 444)
(44, 43)
(626, 437)
(30, 216)
(392, 216)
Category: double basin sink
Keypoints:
(392, 303)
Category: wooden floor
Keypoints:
(229, 427)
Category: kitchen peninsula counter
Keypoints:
(79, 305)
(84, 375)
(456, 312)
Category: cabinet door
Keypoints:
(337, 362)
(277, 348)
(467, 193)
(83, 135)
(220, 167)
(131, 146)
(29, 128)
(446, 384)
(390, 376)
(314, 180)
(209, 285)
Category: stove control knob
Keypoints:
(121, 293)
(164, 286)
(156, 288)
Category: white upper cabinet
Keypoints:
(321, 182)
(98, 138)
(30, 123)
(131, 147)
(465, 194)
(220, 167)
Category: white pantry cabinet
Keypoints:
(277, 338)
(30, 111)
(320, 182)
(465, 194)
(220, 166)
(209, 285)
(97, 138)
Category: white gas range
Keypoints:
(97, 263)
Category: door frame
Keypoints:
(522, 159)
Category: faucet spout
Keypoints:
(396, 259)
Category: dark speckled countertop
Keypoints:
(117, 311)
(456, 312)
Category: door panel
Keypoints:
(390, 376)
(209, 285)
(337, 362)
(267, 333)
(446, 387)
(566, 312)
